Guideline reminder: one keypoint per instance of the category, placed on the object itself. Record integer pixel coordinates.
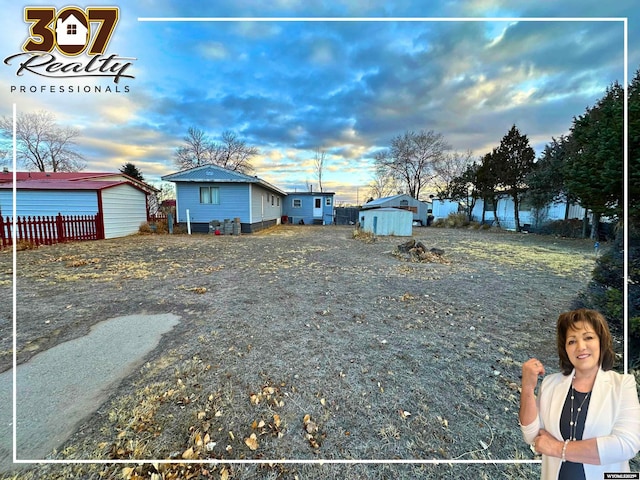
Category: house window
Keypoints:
(327, 201)
(273, 200)
(404, 203)
(71, 29)
(210, 195)
(318, 203)
(297, 203)
(278, 201)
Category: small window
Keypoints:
(318, 203)
(297, 203)
(327, 201)
(273, 200)
(404, 203)
(278, 200)
(72, 29)
(209, 195)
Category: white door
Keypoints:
(317, 207)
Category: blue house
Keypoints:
(212, 193)
(309, 208)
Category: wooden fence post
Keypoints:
(3, 242)
(60, 228)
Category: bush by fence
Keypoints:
(47, 230)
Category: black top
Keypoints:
(571, 470)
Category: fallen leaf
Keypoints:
(189, 454)
(252, 441)
(127, 472)
(276, 420)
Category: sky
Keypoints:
(342, 84)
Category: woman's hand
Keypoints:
(531, 369)
(546, 444)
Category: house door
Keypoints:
(317, 207)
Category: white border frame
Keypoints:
(624, 21)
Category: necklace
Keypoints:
(573, 423)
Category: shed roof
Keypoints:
(217, 174)
(385, 200)
(72, 177)
(65, 185)
(398, 211)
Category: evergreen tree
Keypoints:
(465, 187)
(487, 179)
(594, 167)
(633, 165)
(515, 159)
(132, 171)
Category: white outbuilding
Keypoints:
(387, 221)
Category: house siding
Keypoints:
(49, 202)
(233, 202)
(124, 210)
(506, 216)
(266, 206)
(305, 212)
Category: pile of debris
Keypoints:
(417, 252)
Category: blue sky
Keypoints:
(346, 87)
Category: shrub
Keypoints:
(25, 245)
(145, 229)
(563, 228)
(366, 237)
(454, 220)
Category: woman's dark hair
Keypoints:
(568, 320)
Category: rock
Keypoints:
(437, 251)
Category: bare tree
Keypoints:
(451, 167)
(383, 184)
(43, 144)
(318, 163)
(231, 153)
(413, 159)
(198, 150)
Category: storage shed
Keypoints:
(121, 206)
(420, 210)
(387, 221)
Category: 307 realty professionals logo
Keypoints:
(69, 44)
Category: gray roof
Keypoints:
(383, 200)
(217, 174)
(315, 194)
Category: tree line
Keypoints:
(585, 166)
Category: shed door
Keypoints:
(317, 207)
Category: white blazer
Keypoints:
(613, 418)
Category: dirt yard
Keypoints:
(304, 343)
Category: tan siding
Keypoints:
(124, 209)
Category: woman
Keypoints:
(585, 420)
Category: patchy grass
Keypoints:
(308, 343)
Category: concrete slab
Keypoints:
(61, 386)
